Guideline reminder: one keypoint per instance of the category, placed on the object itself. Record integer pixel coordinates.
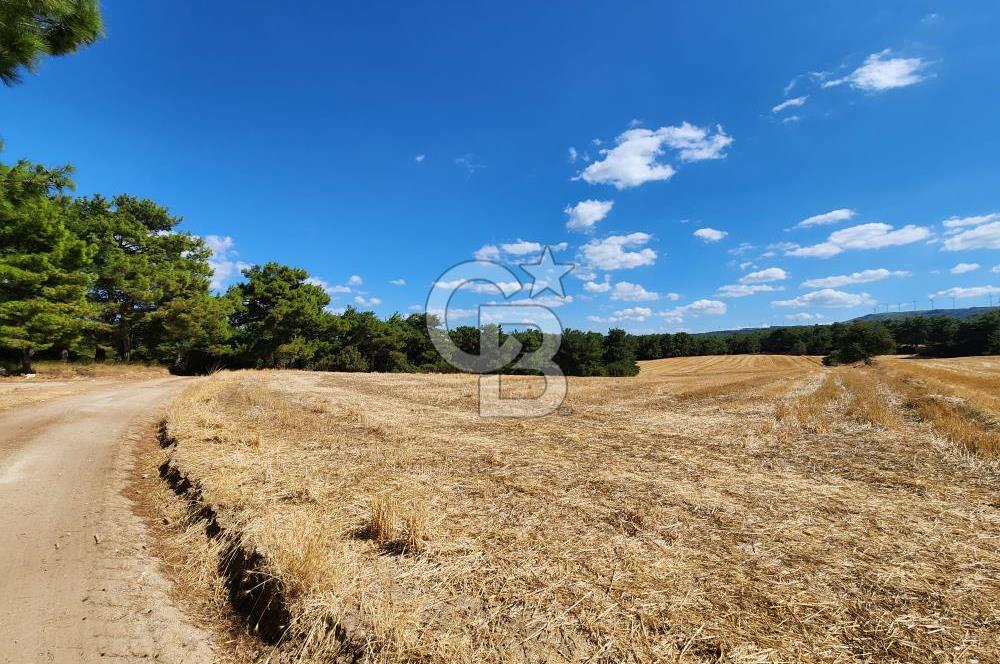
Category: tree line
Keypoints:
(97, 278)
(938, 336)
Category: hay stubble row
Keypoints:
(756, 510)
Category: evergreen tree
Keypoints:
(30, 29)
(142, 264)
(42, 283)
(279, 317)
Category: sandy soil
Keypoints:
(78, 584)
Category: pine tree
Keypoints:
(30, 29)
(43, 284)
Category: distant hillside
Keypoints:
(968, 312)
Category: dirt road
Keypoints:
(77, 582)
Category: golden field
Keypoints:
(718, 509)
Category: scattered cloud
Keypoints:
(744, 290)
(618, 252)
(419, 158)
(996, 269)
(863, 236)
(696, 308)
(598, 287)
(862, 277)
(962, 268)
(635, 158)
(791, 118)
(573, 154)
(470, 163)
(764, 276)
(355, 280)
(630, 292)
(224, 262)
(673, 297)
(398, 282)
(632, 314)
(506, 288)
(827, 297)
(743, 248)
(803, 317)
(981, 232)
(953, 223)
(831, 217)
(367, 302)
(487, 252)
(710, 234)
(881, 72)
(974, 291)
(331, 289)
(585, 214)
(521, 247)
(790, 103)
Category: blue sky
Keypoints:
(675, 151)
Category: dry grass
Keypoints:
(58, 379)
(959, 397)
(793, 523)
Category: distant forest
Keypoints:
(98, 278)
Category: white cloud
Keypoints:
(864, 236)
(398, 282)
(598, 287)
(419, 158)
(507, 288)
(791, 118)
(630, 292)
(696, 308)
(573, 154)
(880, 72)
(521, 247)
(862, 277)
(585, 214)
(487, 252)
(803, 317)
(369, 302)
(963, 222)
(996, 269)
(831, 217)
(764, 276)
(827, 297)
(635, 158)
(635, 314)
(745, 247)
(224, 262)
(330, 289)
(470, 163)
(743, 290)
(612, 253)
(974, 291)
(673, 297)
(962, 268)
(355, 280)
(983, 236)
(710, 234)
(789, 103)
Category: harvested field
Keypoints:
(753, 510)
